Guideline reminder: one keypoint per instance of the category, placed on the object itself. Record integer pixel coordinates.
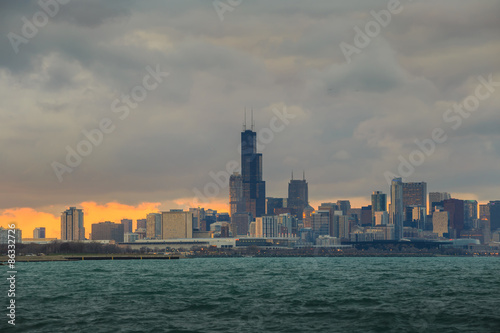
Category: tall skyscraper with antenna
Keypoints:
(254, 188)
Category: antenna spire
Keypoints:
(292, 174)
(245, 120)
(303, 175)
(253, 124)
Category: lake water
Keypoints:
(445, 294)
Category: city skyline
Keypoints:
(351, 121)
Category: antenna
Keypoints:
(245, 120)
(303, 175)
(292, 174)
(253, 124)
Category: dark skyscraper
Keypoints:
(379, 203)
(298, 196)
(455, 208)
(254, 188)
(494, 210)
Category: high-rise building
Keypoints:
(286, 225)
(5, 232)
(435, 198)
(236, 202)
(344, 206)
(127, 225)
(396, 209)
(440, 222)
(381, 218)
(153, 226)
(379, 203)
(455, 208)
(240, 223)
(72, 228)
(494, 208)
(273, 203)
(39, 232)
(142, 223)
(366, 216)
(298, 196)
(320, 223)
(254, 188)
(198, 217)
(471, 211)
(266, 226)
(414, 194)
(108, 231)
(177, 224)
(484, 211)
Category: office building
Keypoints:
(320, 223)
(39, 233)
(440, 222)
(142, 224)
(266, 226)
(494, 210)
(455, 208)
(254, 188)
(4, 235)
(153, 226)
(396, 211)
(286, 225)
(108, 231)
(298, 196)
(240, 223)
(435, 198)
(275, 203)
(379, 203)
(471, 211)
(366, 216)
(127, 225)
(72, 228)
(381, 218)
(344, 206)
(414, 194)
(177, 224)
(236, 202)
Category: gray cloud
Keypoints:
(353, 120)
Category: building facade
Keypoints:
(396, 211)
(177, 224)
(254, 188)
(108, 231)
(298, 196)
(72, 227)
(39, 233)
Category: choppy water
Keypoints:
(258, 295)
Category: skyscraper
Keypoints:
(298, 195)
(455, 208)
(72, 228)
(494, 210)
(414, 195)
(39, 232)
(396, 209)
(153, 225)
(437, 197)
(254, 188)
(379, 203)
(236, 202)
(127, 225)
(470, 213)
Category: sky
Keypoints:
(151, 96)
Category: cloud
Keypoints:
(353, 120)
